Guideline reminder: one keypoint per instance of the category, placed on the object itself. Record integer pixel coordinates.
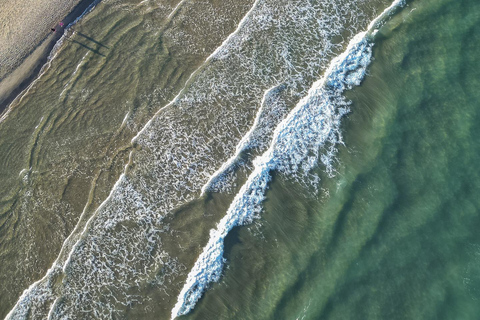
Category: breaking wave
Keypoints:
(230, 105)
(312, 124)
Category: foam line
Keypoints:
(52, 308)
(73, 74)
(214, 53)
(125, 119)
(25, 297)
(175, 9)
(313, 123)
(241, 146)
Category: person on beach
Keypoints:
(60, 24)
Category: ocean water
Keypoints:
(66, 141)
(396, 237)
(157, 122)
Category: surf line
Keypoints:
(73, 240)
(176, 8)
(214, 53)
(313, 122)
(242, 145)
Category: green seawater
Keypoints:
(66, 141)
(397, 235)
(393, 235)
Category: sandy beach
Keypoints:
(27, 39)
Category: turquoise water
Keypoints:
(397, 238)
(391, 234)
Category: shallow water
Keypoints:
(72, 130)
(390, 235)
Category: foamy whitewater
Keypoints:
(312, 124)
(239, 100)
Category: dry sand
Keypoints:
(26, 39)
(25, 24)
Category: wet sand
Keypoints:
(27, 40)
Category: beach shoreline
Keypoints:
(23, 72)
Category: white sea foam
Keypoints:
(176, 8)
(249, 139)
(65, 87)
(313, 123)
(41, 292)
(220, 48)
(183, 145)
